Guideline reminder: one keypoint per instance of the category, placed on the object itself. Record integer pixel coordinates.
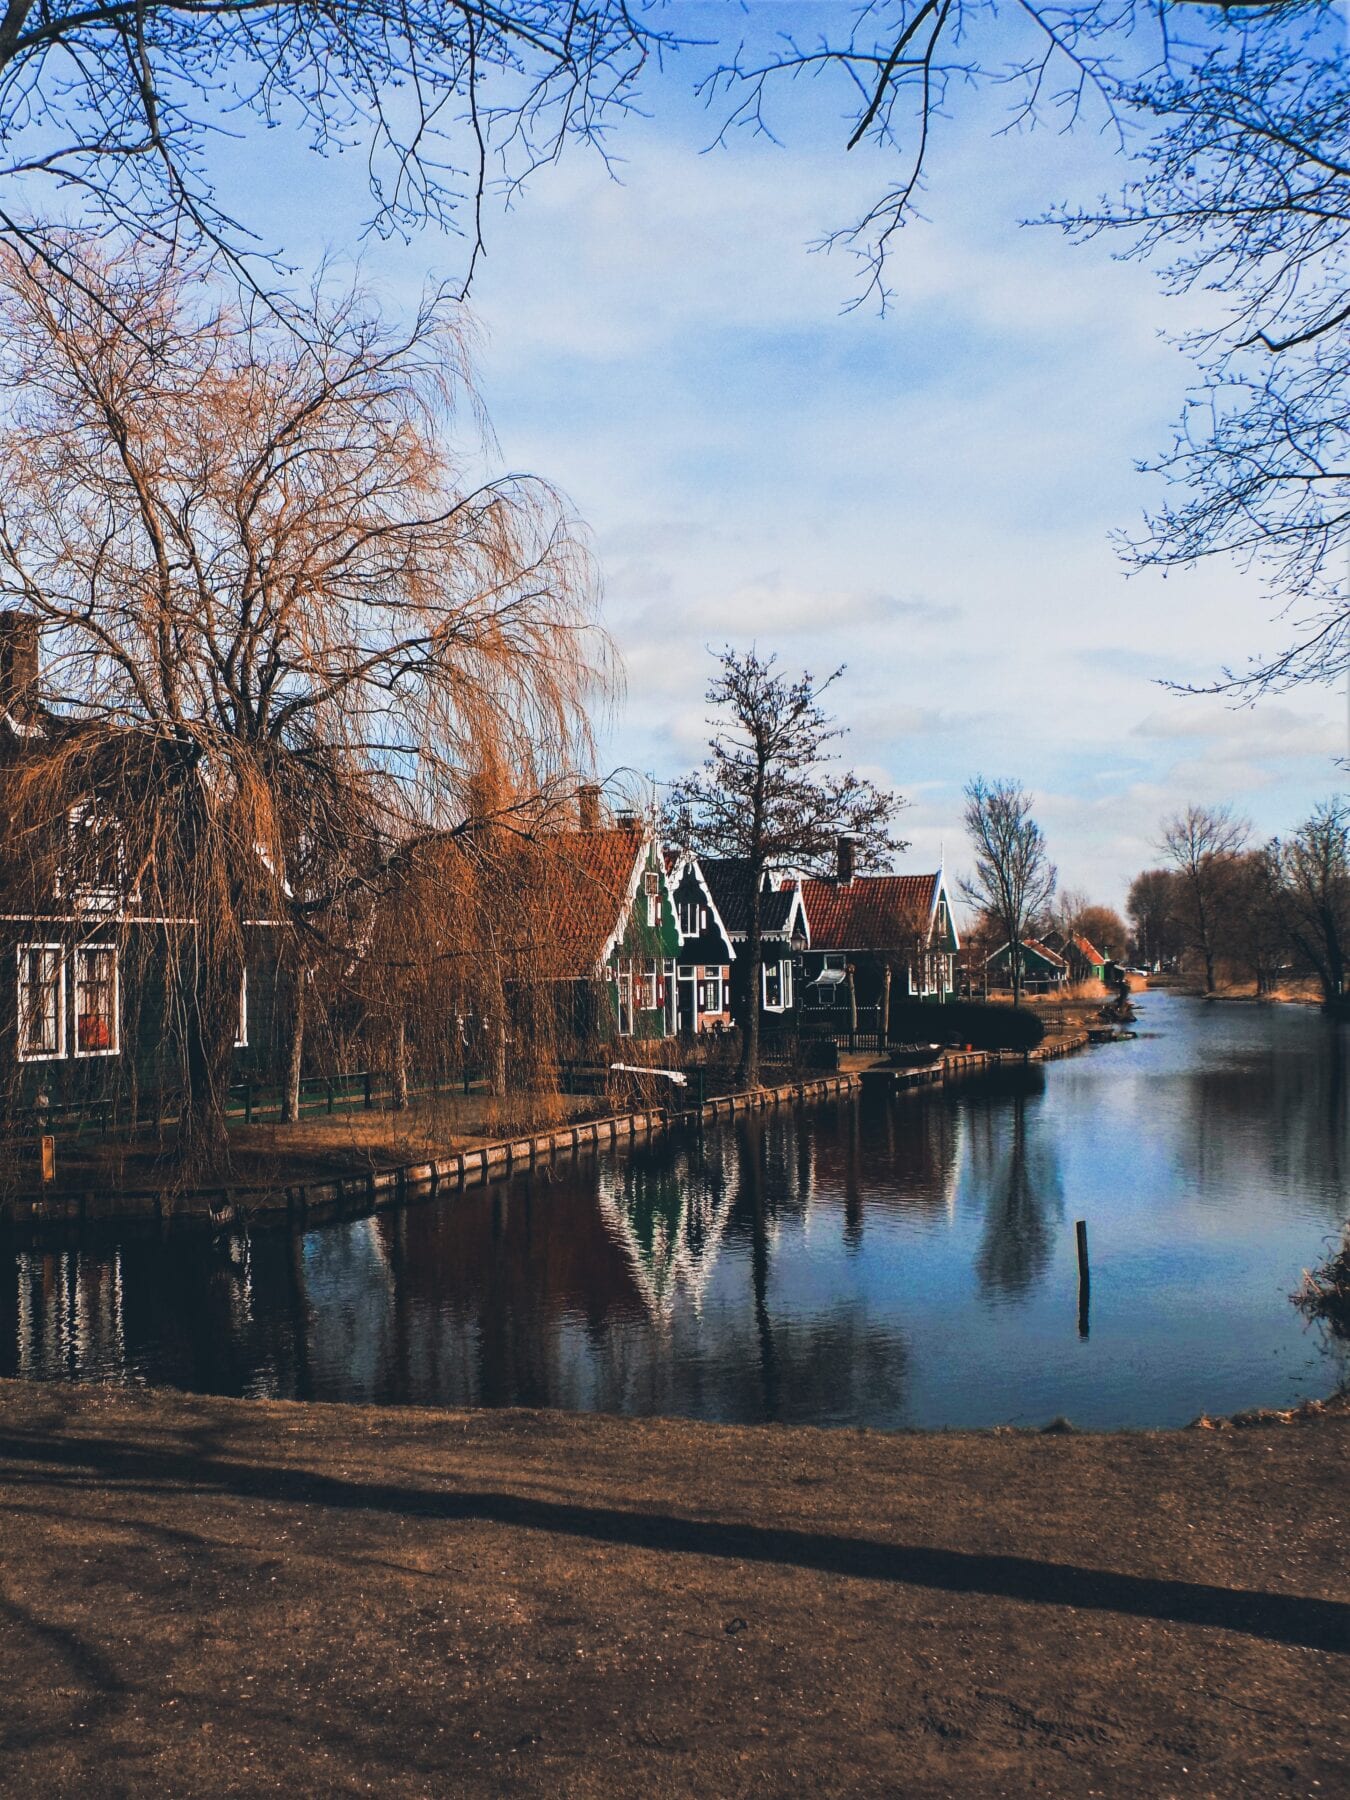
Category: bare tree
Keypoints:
(253, 553)
(1313, 868)
(1014, 878)
(767, 797)
(1245, 194)
(1201, 844)
(123, 105)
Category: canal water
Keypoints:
(901, 1261)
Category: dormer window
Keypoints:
(94, 865)
(651, 883)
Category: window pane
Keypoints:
(39, 1000)
(95, 1001)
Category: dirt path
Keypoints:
(206, 1597)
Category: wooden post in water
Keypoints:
(1084, 1276)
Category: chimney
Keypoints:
(588, 807)
(18, 663)
(845, 855)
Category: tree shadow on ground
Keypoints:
(1303, 1621)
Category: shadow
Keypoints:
(1305, 1622)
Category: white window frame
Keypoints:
(782, 966)
(623, 982)
(710, 976)
(115, 1048)
(241, 1035)
(57, 951)
(651, 886)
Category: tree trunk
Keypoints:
(886, 1006)
(295, 1054)
(754, 951)
(1015, 969)
(399, 1072)
(212, 1024)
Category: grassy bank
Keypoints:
(206, 1596)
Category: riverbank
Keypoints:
(213, 1596)
(358, 1182)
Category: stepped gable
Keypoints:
(871, 912)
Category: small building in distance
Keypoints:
(1043, 969)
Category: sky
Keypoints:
(926, 497)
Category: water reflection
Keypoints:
(900, 1261)
(1013, 1168)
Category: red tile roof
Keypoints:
(1086, 948)
(559, 897)
(871, 912)
(590, 876)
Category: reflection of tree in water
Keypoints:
(1272, 1115)
(1016, 1170)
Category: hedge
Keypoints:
(978, 1023)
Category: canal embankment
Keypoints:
(236, 1597)
(368, 1186)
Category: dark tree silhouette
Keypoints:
(1313, 872)
(767, 796)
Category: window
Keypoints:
(42, 997)
(241, 1036)
(96, 1032)
(95, 858)
(650, 994)
(624, 981)
(693, 918)
(710, 990)
(651, 885)
(777, 977)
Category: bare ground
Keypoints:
(206, 1596)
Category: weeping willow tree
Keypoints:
(280, 624)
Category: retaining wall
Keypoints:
(216, 1207)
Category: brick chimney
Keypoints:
(588, 807)
(18, 663)
(846, 851)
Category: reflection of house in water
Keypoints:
(897, 1155)
(67, 1315)
(669, 1215)
(158, 1311)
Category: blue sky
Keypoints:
(924, 497)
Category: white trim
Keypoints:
(241, 1034)
(32, 1056)
(783, 964)
(115, 1048)
(693, 866)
